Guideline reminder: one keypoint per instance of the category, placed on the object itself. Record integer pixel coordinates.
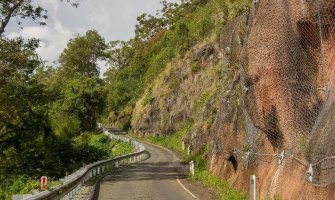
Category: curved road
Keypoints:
(154, 178)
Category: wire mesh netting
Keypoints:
(287, 77)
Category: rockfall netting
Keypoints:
(283, 88)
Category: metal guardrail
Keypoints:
(74, 182)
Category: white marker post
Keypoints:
(252, 187)
(192, 167)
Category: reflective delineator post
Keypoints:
(192, 167)
(252, 187)
(44, 181)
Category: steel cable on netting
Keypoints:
(301, 88)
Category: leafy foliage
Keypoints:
(54, 159)
(81, 55)
(23, 100)
(43, 110)
(80, 106)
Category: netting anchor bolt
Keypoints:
(245, 89)
(246, 155)
(310, 173)
(325, 89)
(281, 157)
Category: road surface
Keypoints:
(154, 178)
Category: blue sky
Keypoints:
(113, 19)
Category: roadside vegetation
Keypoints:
(86, 148)
(48, 114)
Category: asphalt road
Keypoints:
(154, 178)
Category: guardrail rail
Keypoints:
(73, 183)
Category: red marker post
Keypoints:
(44, 181)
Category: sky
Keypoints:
(113, 19)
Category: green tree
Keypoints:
(119, 53)
(23, 100)
(79, 108)
(148, 26)
(82, 54)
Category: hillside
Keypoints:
(254, 93)
(240, 87)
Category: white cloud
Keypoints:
(53, 39)
(50, 4)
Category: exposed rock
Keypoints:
(203, 53)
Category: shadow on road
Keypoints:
(146, 171)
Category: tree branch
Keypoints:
(16, 130)
(10, 12)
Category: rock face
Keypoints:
(264, 87)
(283, 74)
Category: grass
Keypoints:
(174, 142)
(226, 191)
(201, 100)
(23, 185)
(120, 148)
(201, 174)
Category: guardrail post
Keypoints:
(252, 187)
